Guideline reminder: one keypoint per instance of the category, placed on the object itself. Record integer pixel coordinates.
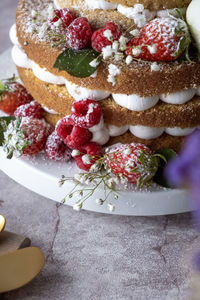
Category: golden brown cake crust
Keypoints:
(150, 4)
(162, 115)
(134, 79)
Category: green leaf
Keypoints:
(4, 120)
(159, 177)
(77, 62)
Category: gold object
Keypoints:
(2, 223)
(19, 267)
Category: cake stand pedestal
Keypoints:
(42, 176)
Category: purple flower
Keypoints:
(185, 168)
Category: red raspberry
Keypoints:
(79, 34)
(78, 137)
(55, 148)
(86, 113)
(99, 40)
(32, 109)
(160, 40)
(12, 95)
(94, 150)
(65, 16)
(64, 127)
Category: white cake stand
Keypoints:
(42, 176)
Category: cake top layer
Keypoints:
(149, 4)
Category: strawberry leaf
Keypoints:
(77, 62)
(168, 154)
(4, 121)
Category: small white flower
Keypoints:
(33, 13)
(136, 51)
(99, 201)
(135, 32)
(107, 52)
(58, 23)
(115, 45)
(95, 168)
(77, 206)
(86, 159)
(94, 63)
(75, 153)
(155, 67)
(152, 49)
(80, 178)
(111, 207)
(129, 59)
(111, 79)
(43, 30)
(113, 70)
(122, 41)
(108, 34)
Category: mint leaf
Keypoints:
(159, 177)
(76, 62)
(6, 121)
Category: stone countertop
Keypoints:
(95, 256)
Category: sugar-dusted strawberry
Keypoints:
(134, 161)
(32, 109)
(162, 39)
(56, 149)
(12, 95)
(86, 113)
(62, 19)
(25, 136)
(79, 34)
(87, 155)
(73, 135)
(104, 36)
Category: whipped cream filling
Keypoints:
(50, 111)
(145, 132)
(132, 102)
(79, 93)
(99, 4)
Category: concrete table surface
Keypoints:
(95, 256)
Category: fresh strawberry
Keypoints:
(89, 153)
(62, 19)
(79, 34)
(99, 38)
(162, 39)
(32, 109)
(55, 148)
(12, 95)
(25, 136)
(134, 161)
(86, 113)
(73, 135)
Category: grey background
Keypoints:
(95, 256)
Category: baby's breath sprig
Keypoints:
(97, 178)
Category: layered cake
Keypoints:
(148, 90)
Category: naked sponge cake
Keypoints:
(135, 58)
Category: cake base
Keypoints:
(42, 176)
